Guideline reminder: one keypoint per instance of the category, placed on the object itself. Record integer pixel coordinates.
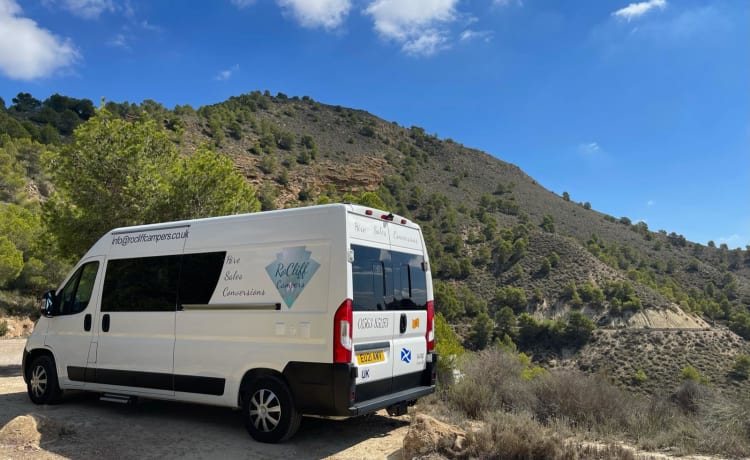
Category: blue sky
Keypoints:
(641, 108)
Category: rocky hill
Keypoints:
(298, 150)
(496, 237)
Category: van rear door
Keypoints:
(373, 324)
(409, 306)
(389, 320)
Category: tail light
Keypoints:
(430, 334)
(342, 333)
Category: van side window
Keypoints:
(198, 277)
(141, 284)
(161, 283)
(75, 296)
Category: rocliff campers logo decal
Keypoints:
(291, 271)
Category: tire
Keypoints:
(269, 410)
(43, 387)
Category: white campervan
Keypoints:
(325, 310)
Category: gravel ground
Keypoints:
(85, 427)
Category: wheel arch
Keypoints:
(254, 374)
(32, 356)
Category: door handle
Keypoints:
(402, 323)
(87, 322)
(105, 323)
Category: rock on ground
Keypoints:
(430, 439)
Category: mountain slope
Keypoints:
(447, 186)
(496, 237)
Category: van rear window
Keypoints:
(388, 280)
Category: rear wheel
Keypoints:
(43, 387)
(269, 411)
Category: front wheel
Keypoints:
(269, 411)
(43, 387)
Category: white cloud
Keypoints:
(427, 44)
(636, 10)
(503, 3)
(241, 4)
(471, 35)
(227, 74)
(120, 41)
(415, 24)
(328, 14)
(650, 203)
(89, 9)
(591, 148)
(150, 27)
(28, 51)
(130, 34)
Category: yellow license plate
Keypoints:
(370, 357)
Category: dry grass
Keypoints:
(521, 436)
(531, 418)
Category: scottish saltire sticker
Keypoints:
(291, 272)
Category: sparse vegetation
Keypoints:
(566, 402)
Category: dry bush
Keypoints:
(520, 436)
(492, 380)
(695, 418)
(657, 423)
(723, 426)
(506, 436)
(589, 402)
(691, 395)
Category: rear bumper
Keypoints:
(331, 390)
(371, 405)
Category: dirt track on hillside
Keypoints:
(84, 427)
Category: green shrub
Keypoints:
(741, 368)
(481, 331)
(548, 224)
(530, 370)
(639, 377)
(285, 140)
(690, 373)
(545, 268)
(3, 328)
(578, 329)
(512, 297)
(268, 164)
(554, 259)
(367, 131)
(448, 347)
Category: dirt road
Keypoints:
(157, 429)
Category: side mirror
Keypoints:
(48, 303)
